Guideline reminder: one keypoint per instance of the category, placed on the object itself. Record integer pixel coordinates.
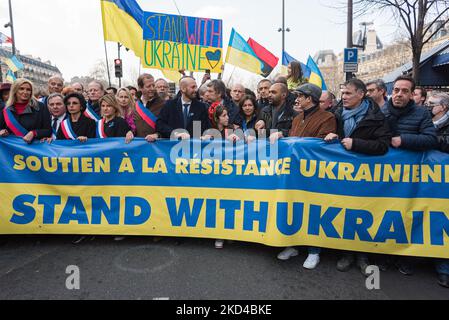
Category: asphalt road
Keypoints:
(34, 267)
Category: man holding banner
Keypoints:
(178, 116)
(362, 128)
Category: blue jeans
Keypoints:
(313, 250)
(442, 267)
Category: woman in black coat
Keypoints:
(23, 115)
(76, 126)
(112, 124)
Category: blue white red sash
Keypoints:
(91, 114)
(13, 124)
(66, 128)
(146, 115)
(100, 129)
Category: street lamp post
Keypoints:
(10, 24)
(349, 43)
(283, 29)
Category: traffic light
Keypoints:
(118, 68)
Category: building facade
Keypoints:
(35, 69)
(376, 61)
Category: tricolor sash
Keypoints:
(100, 129)
(146, 115)
(14, 125)
(91, 114)
(67, 130)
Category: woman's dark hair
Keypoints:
(296, 71)
(242, 103)
(249, 92)
(80, 97)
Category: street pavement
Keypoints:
(34, 267)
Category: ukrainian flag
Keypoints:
(14, 64)
(122, 22)
(286, 59)
(10, 77)
(315, 74)
(241, 55)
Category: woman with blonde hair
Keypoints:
(23, 115)
(128, 105)
(112, 124)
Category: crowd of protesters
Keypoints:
(365, 121)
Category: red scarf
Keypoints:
(20, 107)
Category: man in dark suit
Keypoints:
(178, 116)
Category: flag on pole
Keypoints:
(122, 22)
(286, 59)
(269, 60)
(4, 38)
(241, 55)
(10, 77)
(14, 64)
(315, 74)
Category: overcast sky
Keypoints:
(69, 33)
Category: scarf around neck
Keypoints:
(352, 117)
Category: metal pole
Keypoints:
(119, 79)
(11, 24)
(107, 63)
(349, 43)
(1, 74)
(283, 27)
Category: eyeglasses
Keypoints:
(432, 104)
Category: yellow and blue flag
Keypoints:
(241, 55)
(122, 22)
(10, 77)
(286, 59)
(315, 74)
(14, 64)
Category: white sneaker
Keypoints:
(119, 238)
(219, 244)
(288, 253)
(312, 261)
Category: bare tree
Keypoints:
(422, 20)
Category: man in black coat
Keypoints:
(361, 125)
(178, 116)
(412, 126)
(362, 128)
(279, 115)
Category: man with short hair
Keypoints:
(55, 85)
(237, 93)
(278, 116)
(291, 98)
(148, 108)
(412, 128)
(263, 93)
(78, 87)
(178, 116)
(420, 96)
(377, 90)
(57, 109)
(95, 90)
(362, 128)
(216, 92)
(327, 101)
(111, 90)
(163, 89)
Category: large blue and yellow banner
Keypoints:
(299, 192)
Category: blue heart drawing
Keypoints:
(213, 57)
